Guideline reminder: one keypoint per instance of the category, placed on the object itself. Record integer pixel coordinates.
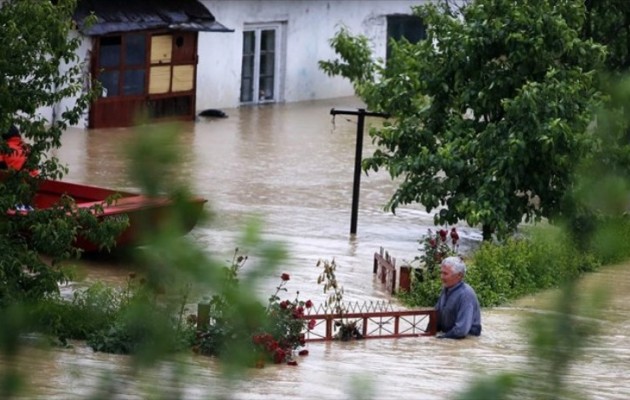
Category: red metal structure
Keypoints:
(373, 321)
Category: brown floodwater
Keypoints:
(292, 165)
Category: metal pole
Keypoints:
(357, 173)
(361, 113)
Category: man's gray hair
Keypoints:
(457, 264)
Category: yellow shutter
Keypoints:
(161, 49)
(183, 77)
(160, 79)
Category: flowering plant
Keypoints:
(426, 282)
(273, 333)
(284, 333)
(436, 247)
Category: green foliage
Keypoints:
(425, 292)
(606, 22)
(491, 110)
(141, 323)
(346, 329)
(53, 231)
(599, 197)
(503, 272)
(496, 388)
(500, 272)
(329, 278)
(610, 240)
(273, 336)
(426, 280)
(557, 339)
(89, 311)
(40, 67)
(436, 247)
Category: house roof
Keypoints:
(135, 15)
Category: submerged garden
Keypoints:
(492, 127)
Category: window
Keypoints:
(260, 64)
(148, 73)
(409, 27)
(121, 64)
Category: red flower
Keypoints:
(308, 304)
(311, 324)
(303, 352)
(284, 304)
(279, 355)
(432, 242)
(273, 346)
(454, 236)
(298, 312)
(285, 277)
(257, 339)
(443, 233)
(292, 362)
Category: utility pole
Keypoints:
(361, 113)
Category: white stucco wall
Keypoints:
(310, 24)
(83, 53)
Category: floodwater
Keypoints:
(293, 165)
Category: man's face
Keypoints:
(449, 278)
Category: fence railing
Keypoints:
(386, 272)
(373, 324)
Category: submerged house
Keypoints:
(171, 59)
(144, 54)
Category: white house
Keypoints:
(173, 59)
(273, 53)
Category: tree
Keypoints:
(608, 22)
(39, 67)
(490, 111)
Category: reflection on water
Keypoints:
(292, 165)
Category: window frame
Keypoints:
(278, 55)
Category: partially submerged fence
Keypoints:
(373, 320)
(368, 320)
(386, 273)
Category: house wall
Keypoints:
(83, 52)
(310, 24)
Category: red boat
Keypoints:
(138, 208)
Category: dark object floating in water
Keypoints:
(212, 112)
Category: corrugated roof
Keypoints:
(135, 15)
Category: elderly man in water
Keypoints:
(457, 308)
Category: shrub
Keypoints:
(610, 242)
(90, 310)
(274, 336)
(426, 281)
(142, 322)
(500, 272)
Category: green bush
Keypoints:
(500, 272)
(610, 242)
(436, 246)
(139, 328)
(89, 310)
